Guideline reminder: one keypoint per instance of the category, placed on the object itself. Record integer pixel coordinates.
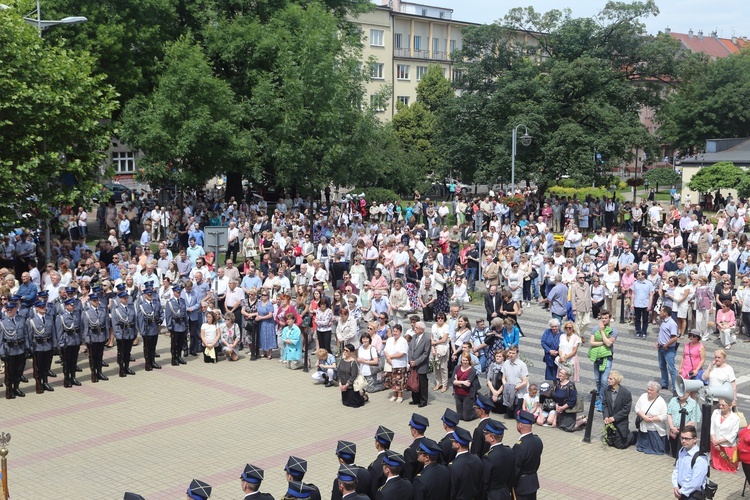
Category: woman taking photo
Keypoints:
(440, 352)
(396, 354)
(210, 337)
(465, 382)
(348, 371)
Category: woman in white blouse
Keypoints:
(652, 432)
(399, 301)
(396, 354)
(725, 425)
(440, 351)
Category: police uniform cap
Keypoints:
(525, 417)
(15, 298)
(384, 435)
(11, 305)
(494, 426)
(429, 447)
(298, 489)
(120, 286)
(484, 402)
(461, 436)
(148, 290)
(296, 467)
(70, 301)
(177, 288)
(346, 450)
(94, 296)
(43, 293)
(199, 490)
(347, 472)
(450, 418)
(70, 289)
(122, 294)
(393, 459)
(40, 303)
(132, 496)
(419, 422)
(96, 289)
(252, 474)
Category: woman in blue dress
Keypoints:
(267, 326)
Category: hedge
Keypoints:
(580, 193)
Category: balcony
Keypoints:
(420, 54)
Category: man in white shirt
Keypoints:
(233, 241)
(156, 223)
(654, 213)
(400, 261)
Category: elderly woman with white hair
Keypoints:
(651, 421)
(565, 396)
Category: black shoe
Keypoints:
(123, 373)
(328, 384)
(175, 362)
(132, 359)
(24, 379)
(101, 376)
(105, 364)
(50, 373)
(181, 361)
(664, 387)
(58, 361)
(67, 383)
(47, 387)
(185, 353)
(129, 371)
(75, 382)
(157, 355)
(78, 369)
(20, 393)
(11, 395)
(193, 353)
(414, 403)
(422, 405)
(155, 366)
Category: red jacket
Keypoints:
(743, 445)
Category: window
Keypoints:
(403, 99)
(402, 72)
(376, 71)
(424, 12)
(453, 46)
(376, 103)
(376, 38)
(435, 45)
(421, 71)
(417, 42)
(123, 161)
(457, 75)
(397, 40)
(442, 15)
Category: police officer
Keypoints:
(383, 439)
(434, 482)
(251, 477)
(395, 487)
(42, 340)
(417, 425)
(346, 452)
(450, 420)
(527, 453)
(465, 470)
(123, 319)
(95, 330)
(13, 348)
(498, 463)
(69, 337)
(148, 315)
(177, 323)
(482, 407)
(296, 468)
(347, 483)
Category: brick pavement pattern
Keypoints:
(154, 432)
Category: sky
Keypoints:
(678, 15)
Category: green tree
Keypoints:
(190, 126)
(52, 112)
(722, 175)
(663, 176)
(434, 88)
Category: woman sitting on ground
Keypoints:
(230, 338)
(326, 368)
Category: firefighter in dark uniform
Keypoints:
(434, 482)
(482, 407)
(528, 456)
(298, 489)
(13, 348)
(383, 439)
(346, 452)
(148, 316)
(417, 425)
(465, 470)
(123, 319)
(348, 483)
(95, 330)
(295, 469)
(198, 490)
(395, 487)
(450, 420)
(251, 477)
(176, 318)
(43, 340)
(69, 337)
(498, 464)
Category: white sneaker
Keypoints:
(392, 399)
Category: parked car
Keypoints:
(115, 190)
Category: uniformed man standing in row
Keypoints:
(528, 456)
(295, 469)
(198, 490)
(465, 470)
(395, 487)
(346, 452)
(42, 340)
(434, 482)
(417, 425)
(482, 407)
(348, 483)
(123, 319)
(95, 330)
(383, 439)
(69, 337)
(175, 315)
(450, 420)
(13, 348)
(251, 477)
(148, 315)
(498, 464)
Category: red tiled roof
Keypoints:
(708, 45)
(731, 46)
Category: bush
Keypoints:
(580, 193)
(567, 183)
(377, 194)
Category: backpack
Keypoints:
(709, 489)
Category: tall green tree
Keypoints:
(52, 110)
(190, 126)
(722, 175)
(710, 103)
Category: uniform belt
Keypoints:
(70, 331)
(14, 343)
(126, 325)
(43, 339)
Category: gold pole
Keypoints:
(4, 440)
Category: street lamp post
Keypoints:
(525, 140)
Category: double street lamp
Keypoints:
(525, 140)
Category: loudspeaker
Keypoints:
(682, 386)
(724, 391)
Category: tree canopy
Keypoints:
(722, 175)
(665, 176)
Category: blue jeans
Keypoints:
(557, 317)
(471, 277)
(600, 377)
(535, 287)
(667, 367)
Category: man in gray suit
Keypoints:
(419, 360)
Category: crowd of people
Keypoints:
(372, 297)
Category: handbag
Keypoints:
(359, 383)
(533, 274)
(375, 369)
(579, 406)
(639, 419)
(412, 383)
